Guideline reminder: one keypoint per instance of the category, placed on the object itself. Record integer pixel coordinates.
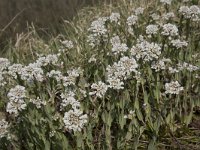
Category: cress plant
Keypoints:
(130, 81)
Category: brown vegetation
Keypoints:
(47, 15)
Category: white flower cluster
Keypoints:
(2, 79)
(168, 2)
(152, 29)
(178, 43)
(3, 128)
(72, 76)
(183, 66)
(146, 51)
(52, 133)
(55, 74)
(130, 115)
(117, 46)
(98, 26)
(68, 98)
(16, 98)
(120, 71)
(169, 30)
(92, 59)
(187, 66)
(139, 11)
(70, 79)
(4, 63)
(99, 88)
(173, 88)
(155, 16)
(74, 120)
(173, 70)
(47, 60)
(15, 69)
(131, 21)
(68, 44)
(192, 12)
(97, 29)
(159, 65)
(31, 72)
(114, 17)
(38, 102)
(168, 15)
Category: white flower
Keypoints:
(92, 59)
(131, 115)
(93, 40)
(115, 40)
(179, 44)
(16, 98)
(83, 92)
(160, 65)
(192, 68)
(98, 32)
(173, 70)
(185, 11)
(68, 98)
(31, 72)
(74, 120)
(130, 30)
(132, 20)
(4, 63)
(192, 12)
(52, 59)
(38, 102)
(15, 69)
(169, 30)
(2, 80)
(52, 133)
(167, 16)
(98, 27)
(115, 83)
(122, 69)
(195, 12)
(16, 93)
(72, 76)
(128, 64)
(139, 11)
(187, 66)
(114, 17)
(152, 29)
(173, 88)
(55, 74)
(68, 44)
(115, 71)
(168, 2)
(117, 46)
(146, 51)
(155, 16)
(3, 128)
(99, 88)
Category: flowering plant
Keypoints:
(130, 81)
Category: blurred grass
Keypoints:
(46, 15)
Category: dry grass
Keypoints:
(47, 15)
